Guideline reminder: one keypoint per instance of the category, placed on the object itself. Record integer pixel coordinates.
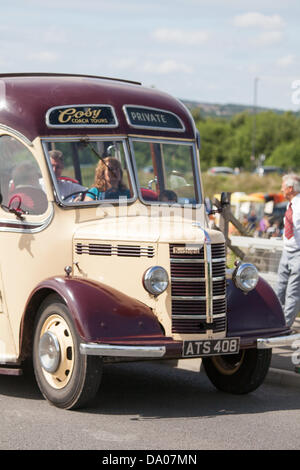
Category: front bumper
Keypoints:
(277, 342)
(113, 350)
(169, 348)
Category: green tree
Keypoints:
(286, 155)
(228, 142)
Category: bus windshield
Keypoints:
(89, 170)
(166, 171)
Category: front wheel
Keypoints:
(238, 373)
(66, 378)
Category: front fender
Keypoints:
(100, 312)
(257, 313)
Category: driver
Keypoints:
(27, 174)
(108, 181)
(67, 186)
(26, 189)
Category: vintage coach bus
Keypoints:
(105, 249)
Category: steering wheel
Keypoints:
(75, 193)
(31, 200)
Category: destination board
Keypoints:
(151, 118)
(81, 116)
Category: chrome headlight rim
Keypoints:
(149, 283)
(238, 277)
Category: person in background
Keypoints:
(252, 220)
(263, 225)
(288, 288)
(274, 230)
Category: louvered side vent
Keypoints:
(188, 289)
(119, 250)
(93, 249)
(135, 251)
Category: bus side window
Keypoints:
(21, 182)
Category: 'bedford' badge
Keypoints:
(186, 250)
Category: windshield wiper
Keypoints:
(85, 141)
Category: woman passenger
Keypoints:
(108, 181)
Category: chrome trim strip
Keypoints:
(76, 138)
(16, 226)
(185, 260)
(208, 273)
(197, 297)
(196, 279)
(96, 349)
(208, 276)
(266, 343)
(197, 317)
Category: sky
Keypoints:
(214, 51)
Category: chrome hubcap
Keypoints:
(49, 352)
(56, 351)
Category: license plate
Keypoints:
(211, 347)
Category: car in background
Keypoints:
(220, 170)
(266, 170)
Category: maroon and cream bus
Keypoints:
(105, 250)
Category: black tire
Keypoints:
(77, 378)
(238, 373)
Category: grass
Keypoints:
(246, 182)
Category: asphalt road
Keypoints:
(150, 406)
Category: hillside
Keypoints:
(225, 110)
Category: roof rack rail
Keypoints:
(44, 74)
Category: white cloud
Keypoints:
(55, 35)
(180, 36)
(44, 56)
(287, 60)
(124, 63)
(258, 20)
(166, 67)
(268, 38)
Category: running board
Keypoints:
(10, 371)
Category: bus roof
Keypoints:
(41, 104)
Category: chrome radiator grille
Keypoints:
(188, 289)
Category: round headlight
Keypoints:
(156, 280)
(246, 277)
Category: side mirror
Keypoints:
(208, 205)
(225, 199)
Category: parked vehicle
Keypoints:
(220, 170)
(120, 266)
(267, 170)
